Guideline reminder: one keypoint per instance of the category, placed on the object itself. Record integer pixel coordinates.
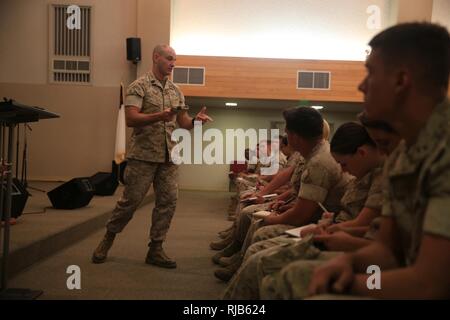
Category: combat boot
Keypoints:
(225, 274)
(230, 250)
(101, 252)
(221, 244)
(226, 261)
(158, 257)
(225, 234)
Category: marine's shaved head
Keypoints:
(162, 49)
(164, 58)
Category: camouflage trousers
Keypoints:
(246, 227)
(139, 176)
(243, 221)
(248, 280)
(262, 237)
(291, 281)
(245, 183)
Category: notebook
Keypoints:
(261, 214)
(267, 197)
(296, 231)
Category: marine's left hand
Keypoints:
(202, 116)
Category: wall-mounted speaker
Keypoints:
(134, 49)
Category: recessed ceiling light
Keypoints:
(317, 107)
(231, 104)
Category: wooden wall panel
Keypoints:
(258, 78)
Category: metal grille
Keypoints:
(180, 75)
(75, 42)
(320, 80)
(70, 48)
(189, 75)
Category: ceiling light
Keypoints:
(231, 104)
(317, 107)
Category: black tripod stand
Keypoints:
(11, 114)
(24, 168)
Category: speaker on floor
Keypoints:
(134, 49)
(104, 183)
(19, 197)
(74, 194)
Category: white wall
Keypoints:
(441, 12)
(24, 40)
(81, 142)
(319, 29)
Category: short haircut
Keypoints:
(160, 48)
(349, 137)
(422, 46)
(305, 122)
(375, 124)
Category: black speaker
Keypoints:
(104, 183)
(76, 193)
(19, 197)
(134, 49)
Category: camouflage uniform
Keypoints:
(244, 225)
(246, 282)
(266, 258)
(294, 160)
(416, 195)
(149, 158)
(361, 193)
(296, 178)
(293, 279)
(322, 181)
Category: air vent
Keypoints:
(67, 71)
(316, 80)
(189, 75)
(69, 52)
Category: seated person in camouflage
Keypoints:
(285, 192)
(268, 156)
(241, 210)
(322, 180)
(237, 233)
(293, 279)
(286, 175)
(381, 133)
(358, 155)
(288, 158)
(406, 86)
